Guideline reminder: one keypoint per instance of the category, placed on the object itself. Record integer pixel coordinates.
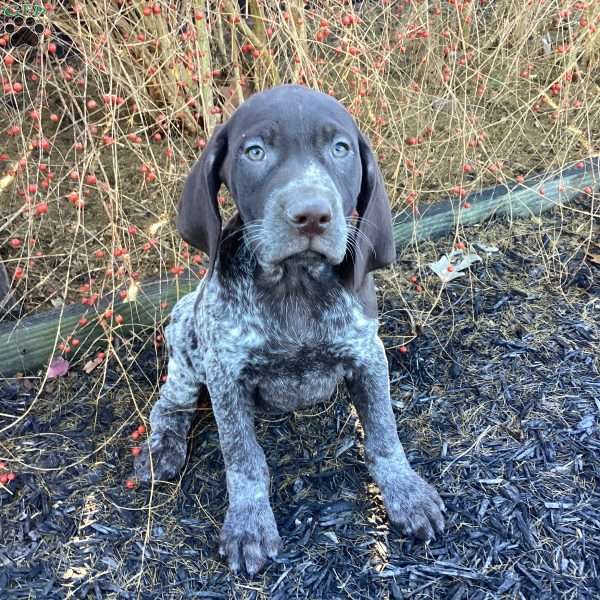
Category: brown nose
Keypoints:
(312, 218)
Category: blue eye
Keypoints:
(340, 149)
(254, 152)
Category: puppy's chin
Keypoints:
(306, 262)
(308, 257)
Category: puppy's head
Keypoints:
(298, 170)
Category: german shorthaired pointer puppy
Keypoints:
(287, 309)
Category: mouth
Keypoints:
(307, 256)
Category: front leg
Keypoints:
(249, 535)
(411, 503)
(172, 415)
(170, 420)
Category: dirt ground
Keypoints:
(497, 402)
(495, 377)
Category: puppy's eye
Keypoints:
(340, 149)
(254, 152)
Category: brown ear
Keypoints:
(198, 217)
(374, 245)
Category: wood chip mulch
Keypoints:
(497, 403)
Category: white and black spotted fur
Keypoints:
(288, 309)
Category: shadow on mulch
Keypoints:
(497, 403)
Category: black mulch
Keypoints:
(497, 402)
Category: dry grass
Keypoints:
(453, 96)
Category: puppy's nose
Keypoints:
(312, 218)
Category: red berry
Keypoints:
(130, 484)
(41, 208)
(15, 242)
(136, 450)
(11, 476)
(141, 430)
(403, 349)
(135, 435)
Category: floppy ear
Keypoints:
(374, 243)
(198, 217)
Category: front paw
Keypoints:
(413, 505)
(249, 536)
(168, 452)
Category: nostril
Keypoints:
(310, 217)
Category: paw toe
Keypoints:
(254, 557)
(249, 542)
(141, 465)
(422, 528)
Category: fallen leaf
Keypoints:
(58, 367)
(90, 365)
(594, 258)
(457, 260)
(484, 248)
(593, 253)
(156, 226)
(75, 573)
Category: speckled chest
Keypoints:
(294, 360)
